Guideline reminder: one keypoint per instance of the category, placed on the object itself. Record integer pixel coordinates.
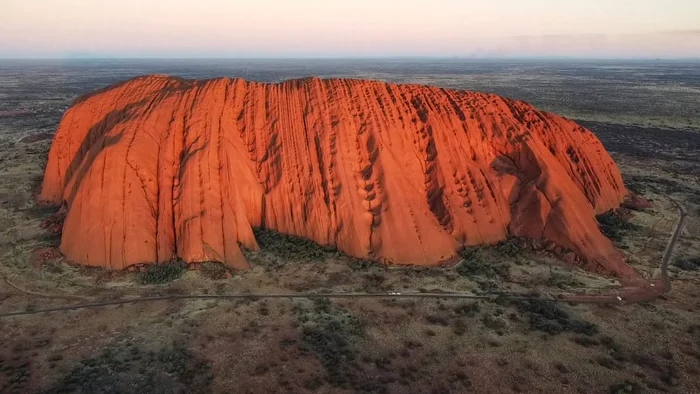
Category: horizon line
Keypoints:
(408, 57)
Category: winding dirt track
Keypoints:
(643, 290)
(631, 293)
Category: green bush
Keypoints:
(278, 249)
(626, 387)
(330, 332)
(131, 369)
(615, 224)
(292, 247)
(690, 264)
(547, 316)
(475, 264)
(163, 273)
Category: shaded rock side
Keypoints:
(159, 167)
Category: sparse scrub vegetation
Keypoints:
(548, 317)
(644, 183)
(562, 281)
(214, 270)
(494, 322)
(128, 368)
(363, 264)
(615, 224)
(474, 264)
(586, 341)
(688, 264)
(154, 274)
(14, 375)
(510, 247)
(331, 333)
(490, 265)
(291, 247)
(467, 309)
(278, 249)
(373, 281)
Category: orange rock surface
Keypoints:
(159, 167)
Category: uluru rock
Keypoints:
(158, 167)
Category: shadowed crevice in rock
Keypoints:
(549, 208)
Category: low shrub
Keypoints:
(548, 317)
(163, 273)
(615, 224)
(689, 264)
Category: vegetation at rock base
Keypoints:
(615, 224)
(162, 273)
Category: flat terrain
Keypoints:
(646, 114)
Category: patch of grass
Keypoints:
(485, 272)
(214, 270)
(510, 247)
(17, 257)
(585, 341)
(364, 264)
(437, 320)
(610, 343)
(562, 281)
(42, 210)
(14, 374)
(493, 322)
(689, 264)
(162, 273)
(615, 224)
(636, 187)
(668, 372)
(130, 369)
(475, 265)
(657, 184)
(489, 265)
(607, 362)
(373, 281)
(626, 387)
(548, 317)
(278, 249)
(291, 247)
(331, 332)
(49, 239)
(468, 309)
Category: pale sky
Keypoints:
(350, 28)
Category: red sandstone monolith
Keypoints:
(159, 167)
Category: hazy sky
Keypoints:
(333, 28)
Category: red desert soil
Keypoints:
(159, 167)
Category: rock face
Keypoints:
(159, 167)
